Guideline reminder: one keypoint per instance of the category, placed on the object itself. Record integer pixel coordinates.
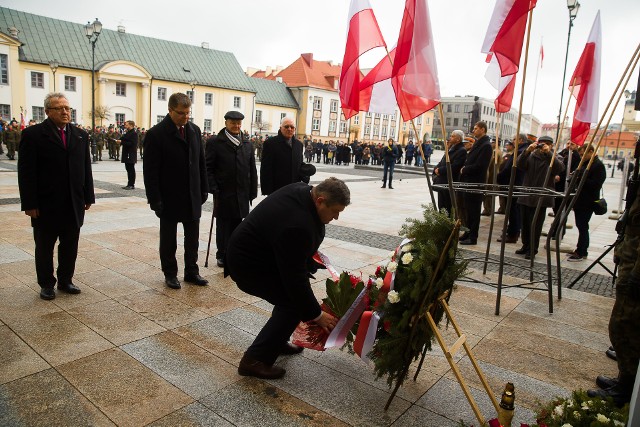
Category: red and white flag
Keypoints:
(541, 55)
(585, 85)
(363, 34)
(377, 95)
(415, 73)
(504, 85)
(23, 122)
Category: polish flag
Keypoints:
(377, 95)
(23, 122)
(585, 85)
(506, 33)
(363, 35)
(504, 85)
(541, 55)
(415, 73)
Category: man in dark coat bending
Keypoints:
(233, 179)
(271, 258)
(175, 180)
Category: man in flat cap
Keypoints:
(282, 159)
(233, 179)
(175, 181)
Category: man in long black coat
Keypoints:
(281, 159)
(233, 179)
(475, 171)
(175, 180)
(457, 157)
(56, 188)
(129, 144)
(279, 253)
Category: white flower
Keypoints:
(407, 258)
(392, 266)
(566, 425)
(379, 282)
(618, 423)
(570, 403)
(576, 415)
(407, 248)
(584, 406)
(558, 410)
(393, 297)
(602, 418)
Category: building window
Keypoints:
(37, 114)
(316, 124)
(457, 108)
(5, 112)
(376, 131)
(384, 132)
(120, 119)
(74, 115)
(404, 126)
(393, 117)
(356, 119)
(208, 99)
(367, 129)
(343, 127)
(385, 116)
(392, 132)
(258, 116)
(334, 105)
(70, 83)
(448, 108)
(465, 123)
(4, 69)
(368, 114)
(159, 119)
(121, 89)
(207, 125)
(419, 121)
(162, 94)
(466, 108)
(282, 116)
(317, 103)
(236, 102)
(332, 125)
(190, 94)
(377, 116)
(448, 121)
(37, 80)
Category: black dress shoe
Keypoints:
(289, 348)
(619, 395)
(128, 187)
(528, 255)
(611, 354)
(254, 368)
(468, 241)
(522, 251)
(606, 382)
(390, 188)
(220, 262)
(196, 279)
(47, 293)
(69, 288)
(172, 282)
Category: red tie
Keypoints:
(64, 138)
(182, 131)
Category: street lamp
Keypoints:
(193, 84)
(92, 31)
(627, 94)
(573, 6)
(54, 67)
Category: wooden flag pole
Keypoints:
(494, 181)
(452, 193)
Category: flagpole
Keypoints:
(512, 178)
(535, 86)
(452, 194)
(494, 181)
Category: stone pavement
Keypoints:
(129, 351)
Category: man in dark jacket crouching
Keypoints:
(272, 258)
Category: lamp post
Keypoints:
(627, 94)
(573, 6)
(92, 31)
(54, 67)
(193, 84)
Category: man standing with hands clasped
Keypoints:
(175, 181)
(129, 144)
(56, 188)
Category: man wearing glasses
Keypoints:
(282, 160)
(56, 188)
(175, 180)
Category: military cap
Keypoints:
(234, 115)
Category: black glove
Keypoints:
(157, 208)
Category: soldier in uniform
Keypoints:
(141, 134)
(112, 136)
(12, 138)
(624, 325)
(98, 135)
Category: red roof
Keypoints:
(305, 71)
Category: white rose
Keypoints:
(407, 258)
(618, 423)
(407, 248)
(393, 297)
(602, 418)
(576, 415)
(558, 410)
(392, 266)
(379, 282)
(566, 425)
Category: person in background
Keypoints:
(129, 144)
(389, 156)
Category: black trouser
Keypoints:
(473, 205)
(45, 238)
(515, 222)
(169, 244)
(444, 200)
(224, 228)
(131, 174)
(582, 216)
(528, 212)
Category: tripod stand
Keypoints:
(597, 261)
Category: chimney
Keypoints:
(308, 58)
(267, 71)
(13, 31)
(279, 79)
(122, 29)
(205, 45)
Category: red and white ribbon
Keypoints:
(338, 335)
(322, 259)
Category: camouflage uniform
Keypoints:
(99, 138)
(114, 151)
(624, 325)
(12, 139)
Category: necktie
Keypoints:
(63, 137)
(182, 131)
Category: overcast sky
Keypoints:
(265, 33)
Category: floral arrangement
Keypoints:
(581, 411)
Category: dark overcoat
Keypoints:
(232, 174)
(129, 145)
(457, 157)
(593, 184)
(54, 179)
(280, 164)
(535, 165)
(477, 162)
(175, 175)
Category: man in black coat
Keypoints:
(457, 157)
(233, 178)
(175, 180)
(475, 171)
(280, 253)
(129, 144)
(281, 159)
(56, 188)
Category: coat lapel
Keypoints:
(51, 133)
